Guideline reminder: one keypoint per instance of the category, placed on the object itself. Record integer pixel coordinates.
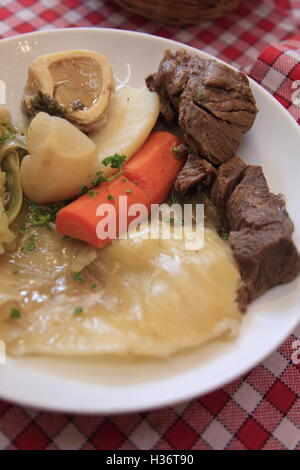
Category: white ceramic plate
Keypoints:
(102, 385)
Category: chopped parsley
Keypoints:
(99, 178)
(42, 220)
(224, 234)
(44, 102)
(123, 180)
(128, 191)
(42, 216)
(31, 246)
(93, 286)
(176, 152)
(15, 313)
(174, 200)
(115, 161)
(84, 189)
(65, 238)
(15, 271)
(92, 193)
(24, 229)
(77, 311)
(6, 137)
(77, 277)
(110, 197)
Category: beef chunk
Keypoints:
(229, 174)
(196, 171)
(214, 104)
(266, 257)
(260, 229)
(167, 110)
(170, 80)
(253, 205)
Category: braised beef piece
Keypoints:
(196, 171)
(169, 81)
(260, 229)
(252, 205)
(214, 104)
(214, 107)
(229, 174)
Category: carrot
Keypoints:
(147, 179)
(155, 166)
(79, 219)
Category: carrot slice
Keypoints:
(155, 166)
(147, 179)
(79, 219)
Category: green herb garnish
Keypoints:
(44, 102)
(224, 234)
(84, 189)
(92, 193)
(42, 220)
(129, 191)
(174, 200)
(43, 215)
(114, 161)
(29, 247)
(24, 229)
(77, 277)
(77, 311)
(65, 238)
(15, 271)
(6, 137)
(176, 152)
(15, 313)
(110, 197)
(99, 178)
(93, 286)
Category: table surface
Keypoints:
(260, 410)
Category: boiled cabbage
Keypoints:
(144, 297)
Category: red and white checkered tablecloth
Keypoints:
(260, 410)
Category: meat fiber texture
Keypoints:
(260, 229)
(213, 103)
(196, 172)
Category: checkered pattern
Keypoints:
(260, 410)
(278, 70)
